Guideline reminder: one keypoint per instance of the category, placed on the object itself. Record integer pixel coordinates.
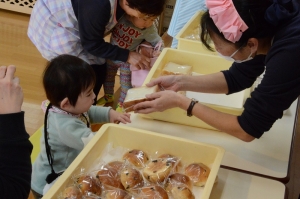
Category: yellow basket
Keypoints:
(202, 64)
(189, 44)
(133, 138)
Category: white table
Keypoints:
(236, 185)
(267, 156)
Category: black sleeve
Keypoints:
(242, 75)
(280, 86)
(93, 17)
(15, 162)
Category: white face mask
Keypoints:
(241, 61)
(229, 58)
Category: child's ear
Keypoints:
(65, 104)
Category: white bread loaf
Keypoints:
(172, 68)
(137, 95)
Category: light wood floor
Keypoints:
(17, 49)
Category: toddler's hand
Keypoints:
(146, 49)
(156, 53)
(116, 117)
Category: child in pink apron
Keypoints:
(78, 27)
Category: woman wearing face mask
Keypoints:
(258, 36)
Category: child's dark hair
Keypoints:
(67, 76)
(253, 14)
(149, 7)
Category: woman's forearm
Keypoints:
(222, 121)
(211, 83)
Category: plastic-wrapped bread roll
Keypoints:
(117, 194)
(109, 178)
(157, 170)
(131, 178)
(118, 165)
(137, 95)
(172, 68)
(87, 183)
(175, 161)
(152, 192)
(136, 157)
(198, 173)
(182, 192)
(178, 179)
(72, 192)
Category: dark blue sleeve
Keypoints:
(280, 86)
(242, 75)
(15, 151)
(93, 16)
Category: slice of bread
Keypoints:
(172, 68)
(137, 95)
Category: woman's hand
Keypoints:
(138, 60)
(160, 101)
(116, 117)
(168, 82)
(11, 94)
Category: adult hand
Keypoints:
(138, 60)
(160, 101)
(11, 94)
(168, 82)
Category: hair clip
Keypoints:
(227, 19)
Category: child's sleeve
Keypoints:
(99, 114)
(74, 133)
(152, 36)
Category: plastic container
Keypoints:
(189, 44)
(133, 138)
(202, 64)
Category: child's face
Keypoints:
(142, 22)
(85, 101)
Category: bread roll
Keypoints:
(136, 157)
(157, 170)
(109, 177)
(72, 192)
(198, 173)
(153, 192)
(87, 183)
(137, 95)
(176, 69)
(118, 165)
(178, 179)
(131, 178)
(182, 193)
(90, 196)
(175, 161)
(117, 194)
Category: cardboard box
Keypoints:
(133, 138)
(202, 64)
(189, 44)
(167, 14)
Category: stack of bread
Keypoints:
(138, 94)
(172, 68)
(138, 176)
